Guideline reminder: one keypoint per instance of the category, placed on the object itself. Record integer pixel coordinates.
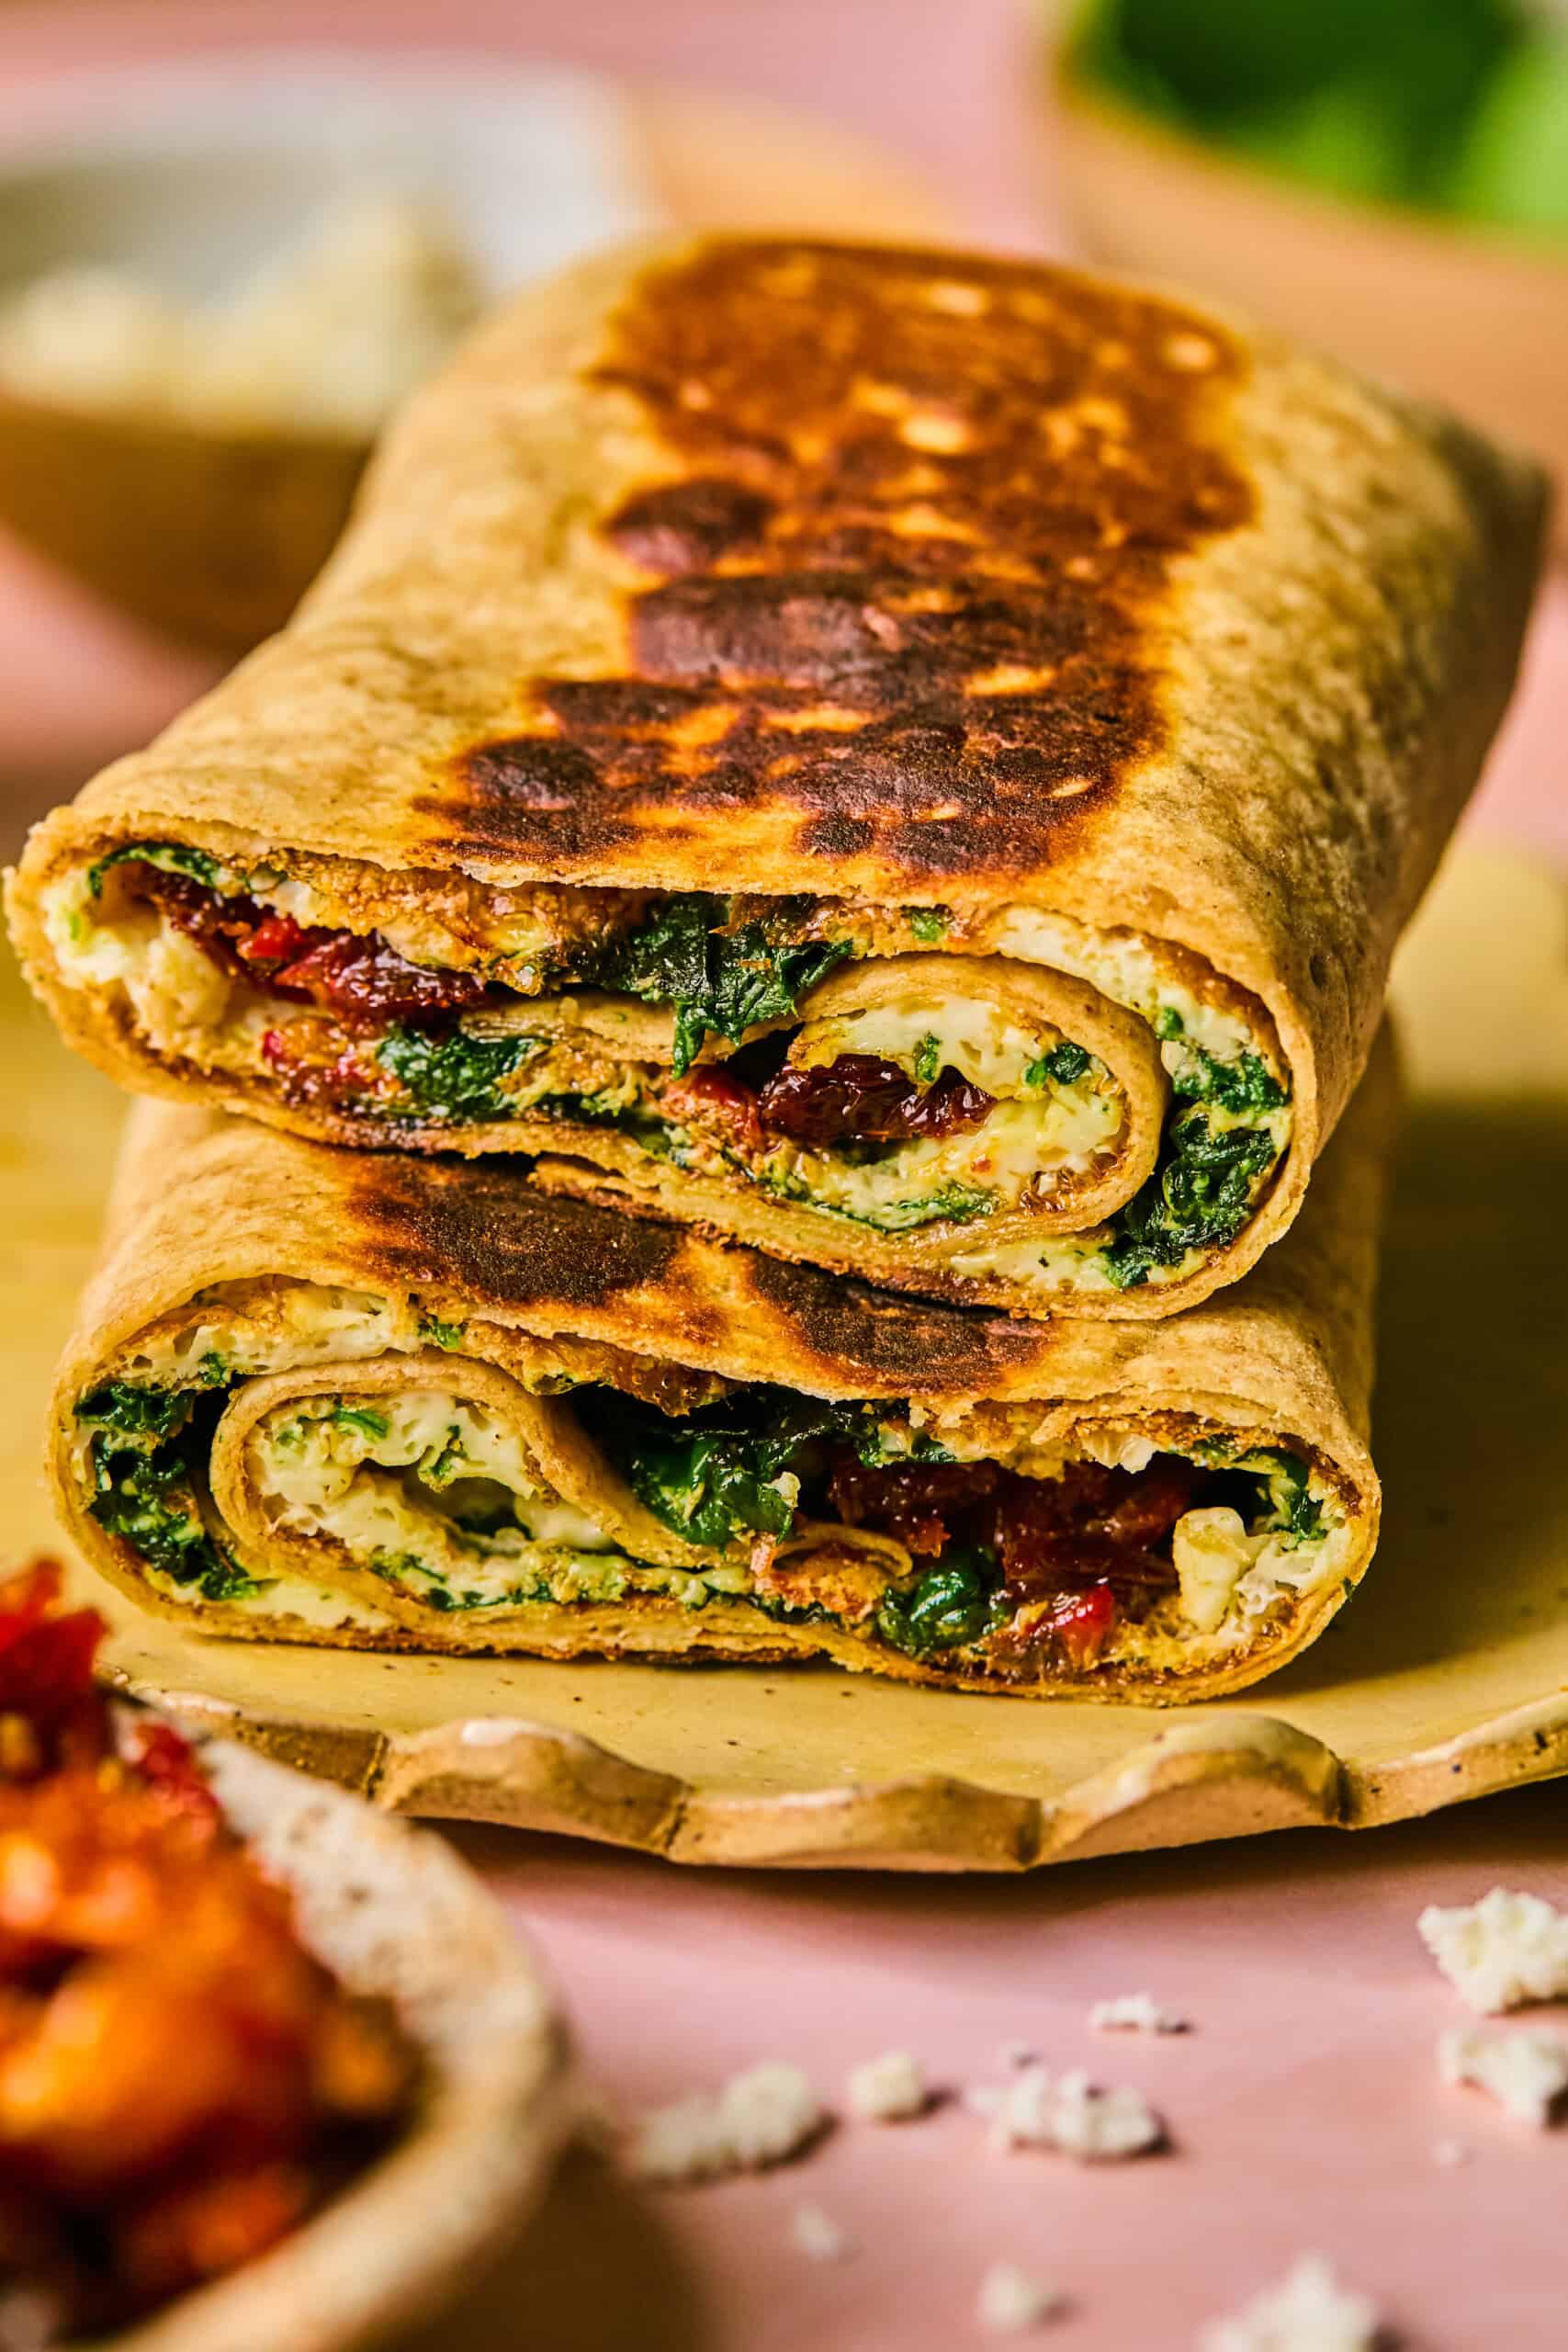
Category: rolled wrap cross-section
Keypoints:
(401, 1403)
(913, 760)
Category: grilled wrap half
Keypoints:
(412, 1403)
(916, 763)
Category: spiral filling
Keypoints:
(279, 1472)
(1073, 1115)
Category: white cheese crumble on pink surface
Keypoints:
(1134, 2013)
(758, 2119)
(1524, 2072)
(1450, 2153)
(1308, 2312)
(817, 2235)
(1011, 2301)
(889, 2090)
(1074, 2115)
(1502, 1951)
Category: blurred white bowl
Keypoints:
(192, 176)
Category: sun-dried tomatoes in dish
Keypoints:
(181, 2081)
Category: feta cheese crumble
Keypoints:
(758, 2119)
(1134, 2013)
(889, 2090)
(1502, 1951)
(1011, 2301)
(818, 2237)
(1525, 2073)
(1075, 2116)
(1308, 2312)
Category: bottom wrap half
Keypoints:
(365, 1399)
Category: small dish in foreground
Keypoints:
(396, 1917)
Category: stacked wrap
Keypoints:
(915, 763)
(812, 767)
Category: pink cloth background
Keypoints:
(1306, 2104)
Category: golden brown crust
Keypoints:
(204, 1202)
(727, 561)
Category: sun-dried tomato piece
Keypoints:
(1152, 1500)
(922, 1505)
(712, 1097)
(355, 975)
(334, 1080)
(1081, 1623)
(278, 939)
(365, 982)
(860, 1099)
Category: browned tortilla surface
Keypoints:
(896, 579)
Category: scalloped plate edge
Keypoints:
(1227, 1776)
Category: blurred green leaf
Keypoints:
(1367, 98)
(1513, 167)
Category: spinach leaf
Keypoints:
(929, 923)
(1198, 1198)
(946, 1607)
(1064, 1063)
(927, 1060)
(145, 1500)
(363, 1418)
(960, 1204)
(710, 1477)
(175, 857)
(717, 980)
(145, 1416)
(455, 1077)
(1243, 1084)
(441, 1335)
(1303, 1513)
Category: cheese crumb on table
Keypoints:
(1076, 2116)
(1525, 2073)
(818, 2236)
(758, 2119)
(1450, 2153)
(1308, 2312)
(1502, 1951)
(889, 2090)
(1011, 2301)
(1134, 2013)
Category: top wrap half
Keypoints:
(918, 762)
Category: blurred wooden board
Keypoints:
(1445, 1679)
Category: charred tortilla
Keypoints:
(913, 760)
(401, 1403)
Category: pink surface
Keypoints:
(1306, 2104)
